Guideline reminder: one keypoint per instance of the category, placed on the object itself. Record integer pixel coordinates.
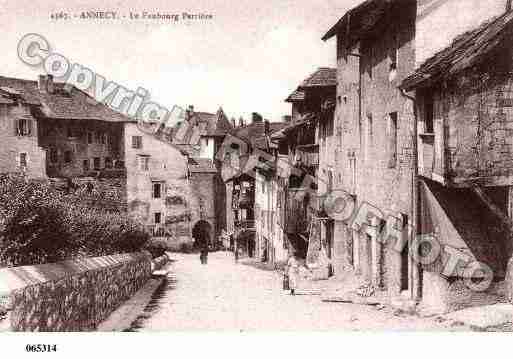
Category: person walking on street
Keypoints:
(293, 273)
(204, 240)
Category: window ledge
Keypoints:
(427, 135)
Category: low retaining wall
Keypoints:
(442, 296)
(74, 295)
(159, 262)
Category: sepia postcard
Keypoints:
(239, 166)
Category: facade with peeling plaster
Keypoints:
(375, 141)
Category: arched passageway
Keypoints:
(201, 233)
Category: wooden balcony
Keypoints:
(307, 155)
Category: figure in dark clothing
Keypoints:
(204, 240)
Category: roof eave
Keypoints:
(334, 29)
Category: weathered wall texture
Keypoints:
(74, 295)
(167, 166)
(441, 295)
(362, 134)
(202, 198)
(476, 112)
(268, 224)
(85, 141)
(12, 145)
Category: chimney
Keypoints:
(42, 84)
(189, 112)
(241, 122)
(508, 5)
(234, 124)
(286, 118)
(256, 117)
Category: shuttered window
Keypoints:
(136, 142)
(24, 127)
(392, 140)
(144, 162)
(23, 160)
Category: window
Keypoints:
(96, 163)
(369, 62)
(144, 163)
(98, 137)
(70, 131)
(158, 217)
(370, 133)
(89, 137)
(85, 165)
(392, 139)
(103, 138)
(429, 114)
(393, 53)
(137, 142)
(157, 190)
(23, 127)
(54, 155)
(68, 156)
(108, 162)
(23, 160)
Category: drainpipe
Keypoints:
(414, 274)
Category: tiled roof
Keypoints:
(208, 124)
(359, 19)
(296, 96)
(254, 132)
(201, 165)
(189, 150)
(466, 50)
(216, 124)
(323, 76)
(61, 104)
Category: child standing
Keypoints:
(293, 273)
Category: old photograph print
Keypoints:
(256, 166)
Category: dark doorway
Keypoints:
(405, 256)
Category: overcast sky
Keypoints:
(248, 58)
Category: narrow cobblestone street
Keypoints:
(224, 295)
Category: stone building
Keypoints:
(464, 126)
(51, 132)
(68, 138)
(299, 149)
(271, 240)
(200, 136)
(251, 212)
(379, 44)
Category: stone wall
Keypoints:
(74, 295)
(369, 107)
(476, 112)
(444, 295)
